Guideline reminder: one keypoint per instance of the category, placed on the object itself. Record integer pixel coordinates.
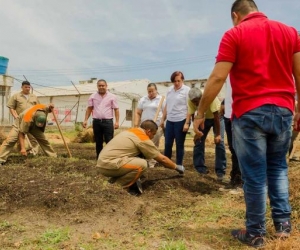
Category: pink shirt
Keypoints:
(103, 106)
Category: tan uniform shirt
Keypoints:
(125, 146)
(19, 102)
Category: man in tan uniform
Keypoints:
(120, 158)
(33, 121)
(20, 102)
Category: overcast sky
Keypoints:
(55, 42)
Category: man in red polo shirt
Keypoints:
(262, 56)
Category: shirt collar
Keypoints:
(102, 95)
(176, 90)
(153, 98)
(21, 93)
(254, 15)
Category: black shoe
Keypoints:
(237, 180)
(139, 185)
(248, 239)
(203, 171)
(227, 187)
(136, 188)
(283, 229)
(112, 180)
(220, 177)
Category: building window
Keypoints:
(128, 115)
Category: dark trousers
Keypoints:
(103, 131)
(220, 153)
(235, 174)
(174, 132)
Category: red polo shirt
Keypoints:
(261, 51)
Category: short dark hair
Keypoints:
(102, 80)
(149, 124)
(243, 6)
(25, 83)
(152, 84)
(176, 73)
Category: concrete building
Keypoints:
(6, 83)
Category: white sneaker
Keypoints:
(236, 191)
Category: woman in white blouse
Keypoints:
(146, 110)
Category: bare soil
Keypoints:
(39, 194)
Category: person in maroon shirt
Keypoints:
(262, 56)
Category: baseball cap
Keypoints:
(40, 118)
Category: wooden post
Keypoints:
(78, 102)
(133, 108)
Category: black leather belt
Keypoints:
(102, 120)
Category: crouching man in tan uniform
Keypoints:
(121, 157)
(32, 120)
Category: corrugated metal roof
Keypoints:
(89, 88)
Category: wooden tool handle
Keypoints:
(61, 134)
(158, 108)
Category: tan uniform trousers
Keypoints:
(32, 143)
(13, 137)
(128, 173)
(156, 140)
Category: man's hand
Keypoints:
(23, 152)
(198, 123)
(51, 107)
(116, 125)
(84, 124)
(218, 139)
(186, 127)
(297, 122)
(198, 137)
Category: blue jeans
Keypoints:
(220, 153)
(261, 141)
(173, 132)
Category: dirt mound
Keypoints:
(86, 135)
(75, 184)
(56, 139)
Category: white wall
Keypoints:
(64, 104)
(6, 82)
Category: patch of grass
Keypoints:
(55, 236)
(86, 247)
(8, 226)
(4, 225)
(173, 245)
